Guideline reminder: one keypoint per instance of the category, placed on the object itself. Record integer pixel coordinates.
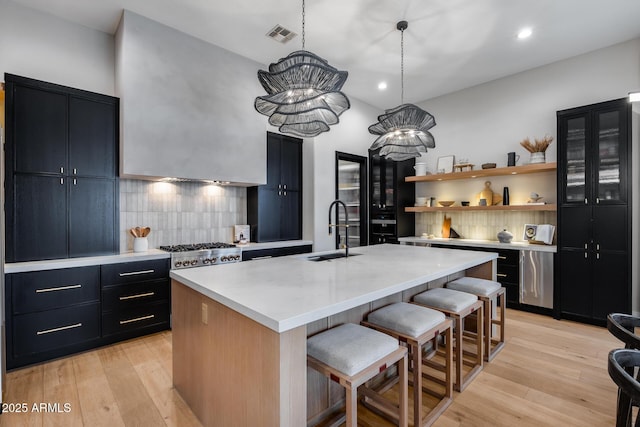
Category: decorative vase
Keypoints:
(537, 157)
(504, 236)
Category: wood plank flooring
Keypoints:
(550, 373)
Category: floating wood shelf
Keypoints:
(546, 207)
(481, 173)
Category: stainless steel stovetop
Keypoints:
(202, 254)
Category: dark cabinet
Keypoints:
(54, 313)
(274, 252)
(274, 210)
(61, 171)
(594, 213)
(51, 313)
(389, 194)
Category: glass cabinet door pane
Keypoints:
(576, 163)
(376, 181)
(389, 183)
(608, 181)
(351, 190)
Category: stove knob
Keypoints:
(236, 257)
(194, 262)
(178, 263)
(213, 260)
(223, 258)
(206, 261)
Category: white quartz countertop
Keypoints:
(286, 292)
(54, 264)
(492, 244)
(272, 245)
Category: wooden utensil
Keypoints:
(132, 231)
(138, 231)
(146, 231)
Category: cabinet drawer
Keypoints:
(45, 290)
(138, 271)
(121, 297)
(275, 252)
(508, 257)
(48, 330)
(135, 318)
(508, 274)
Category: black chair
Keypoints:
(622, 361)
(622, 326)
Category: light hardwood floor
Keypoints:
(550, 373)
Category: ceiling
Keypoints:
(449, 44)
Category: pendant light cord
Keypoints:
(303, 16)
(401, 66)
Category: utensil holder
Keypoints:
(140, 244)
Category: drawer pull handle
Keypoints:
(135, 273)
(502, 257)
(137, 319)
(501, 275)
(262, 257)
(61, 328)
(59, 288)
(147, 294)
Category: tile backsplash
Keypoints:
(180, 212)
(483, 225)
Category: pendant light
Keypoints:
(404, 130)
(303, 93)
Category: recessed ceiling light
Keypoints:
(525, 33)
(382, 85)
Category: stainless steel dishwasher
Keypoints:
(536, 278)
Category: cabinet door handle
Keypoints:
(262, 257)
(502, 257)
(279, 193)
(75, 171)
(501, 275)
(75, 181)
(586, 245)
(598, 200)
(279, 186)
(284, 193)
(284, 187)
(146, 294)
(61, 169)
(137, 319)
(57, 288)
(61, 328)
(585, 255)
(597, 255)
(61, 181)
(597, 246)
(586, 202)
(135, 273)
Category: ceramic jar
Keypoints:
(505, 236)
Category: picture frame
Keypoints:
(445, 164)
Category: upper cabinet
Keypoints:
(274, 210)
(61, 171)
(593, 154)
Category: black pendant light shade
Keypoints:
(303, 94)
(404, 130)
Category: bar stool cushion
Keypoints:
(350, 348)
(473, 285)
(408, 319)
(446, 299)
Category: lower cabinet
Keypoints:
(54, 313)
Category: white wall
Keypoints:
(40, 46)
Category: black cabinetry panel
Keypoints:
(134, 272)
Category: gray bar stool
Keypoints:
(458, 305)
(418, 326)
(352, 354)
(487, 291)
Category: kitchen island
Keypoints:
(239, 330)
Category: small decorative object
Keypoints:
(489, 196)
(512, 158)
(534, 197)
(482, 202)
(464, 203)
(505, 236)
(241, 234)
(453, 234)
(505, 196)
(446, 203)
(421, 201)
(462, 166)
(446, 227)
(488, 165)
(445, 164)
(140, 242)
(537, 149)
(421, 169)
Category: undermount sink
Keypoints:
(329, 256)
